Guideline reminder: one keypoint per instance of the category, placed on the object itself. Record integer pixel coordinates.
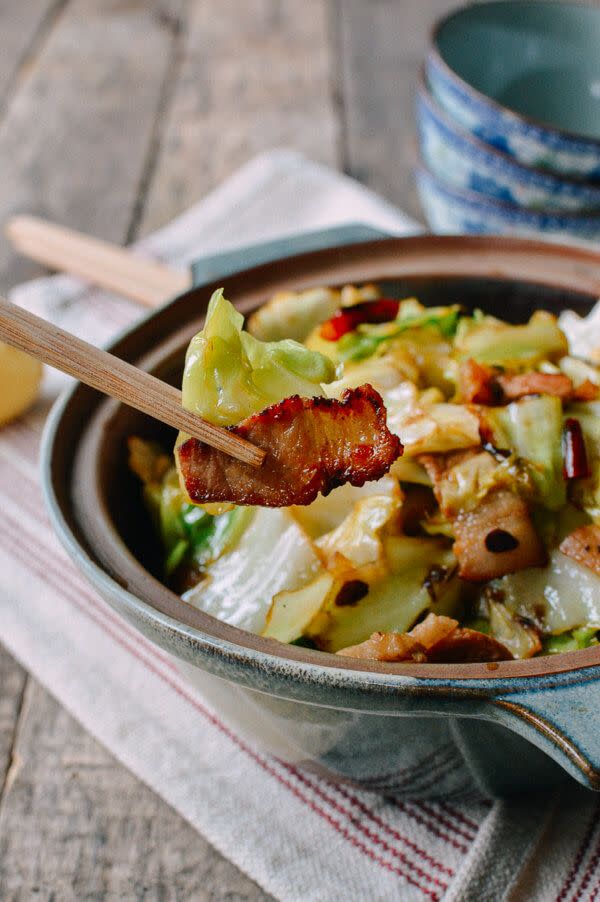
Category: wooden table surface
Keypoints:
(116, 115)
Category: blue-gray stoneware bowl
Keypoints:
(463, 161)
(496, 728)
(524, 77)
(450, 210)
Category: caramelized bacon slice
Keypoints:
(477, 384)
(481, 384)
(587, 391)
(466, 646)
(583, 546)
(519, 385)
(313, 445)
(496, 538)
(435, 628)
(437, 639)
(390, 647)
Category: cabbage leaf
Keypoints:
(230, 375)
(494, 342)
(532, 429)
(273, 554)
(562, 596)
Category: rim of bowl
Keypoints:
(541, 124)
(468, 194)
(424, 94)
(225, 639)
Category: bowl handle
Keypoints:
(219, 266)
(562, 720)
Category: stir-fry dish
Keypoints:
(431, 485)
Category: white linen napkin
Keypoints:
(323, 842)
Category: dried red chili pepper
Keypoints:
(575, 461)
(348, 318)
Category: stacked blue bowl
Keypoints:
(508, 113)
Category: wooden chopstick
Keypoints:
(98, 262)
(115, 377)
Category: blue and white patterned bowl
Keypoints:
(456, 211)
(465, 162)
(525, 78)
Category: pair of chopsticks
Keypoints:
(116, 269)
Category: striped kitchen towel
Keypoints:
(323, 842)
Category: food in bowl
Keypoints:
(465, 525)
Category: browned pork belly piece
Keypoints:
(437, 639)
(519, 385)
(496, 538)
(390, 647)
(466, 646)
(312, 445)
(479, 384)
(433, 629)
(587, 391)
(583, 546)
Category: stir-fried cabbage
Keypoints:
(467, 482)
(421, 575)
(583, 333)
(562, 596)
(272, 554)
(428, 428)
(191, 537)
(586, 492)
(230, 375)
(520, 637)
(293, 314)
(501, 470)
(492, 341)
(532, 428)
(328, 511)
(358, 538)
(429, 321)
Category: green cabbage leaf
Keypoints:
(229, 374)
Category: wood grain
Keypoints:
(12, 686)
(77, 827)
(75, 137)
(24, 27)
(380, 47)
(253, 75)
(99, 262)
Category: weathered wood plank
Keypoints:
(78, 827)
(254, 74)
(23, 28)
(381, 45)
(74, 139)
(12, 686)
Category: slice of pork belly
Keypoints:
(312, 445)
(583, 546)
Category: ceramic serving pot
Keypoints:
(431, 730)
(524, 77)
(451, 210)
(463, 161)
